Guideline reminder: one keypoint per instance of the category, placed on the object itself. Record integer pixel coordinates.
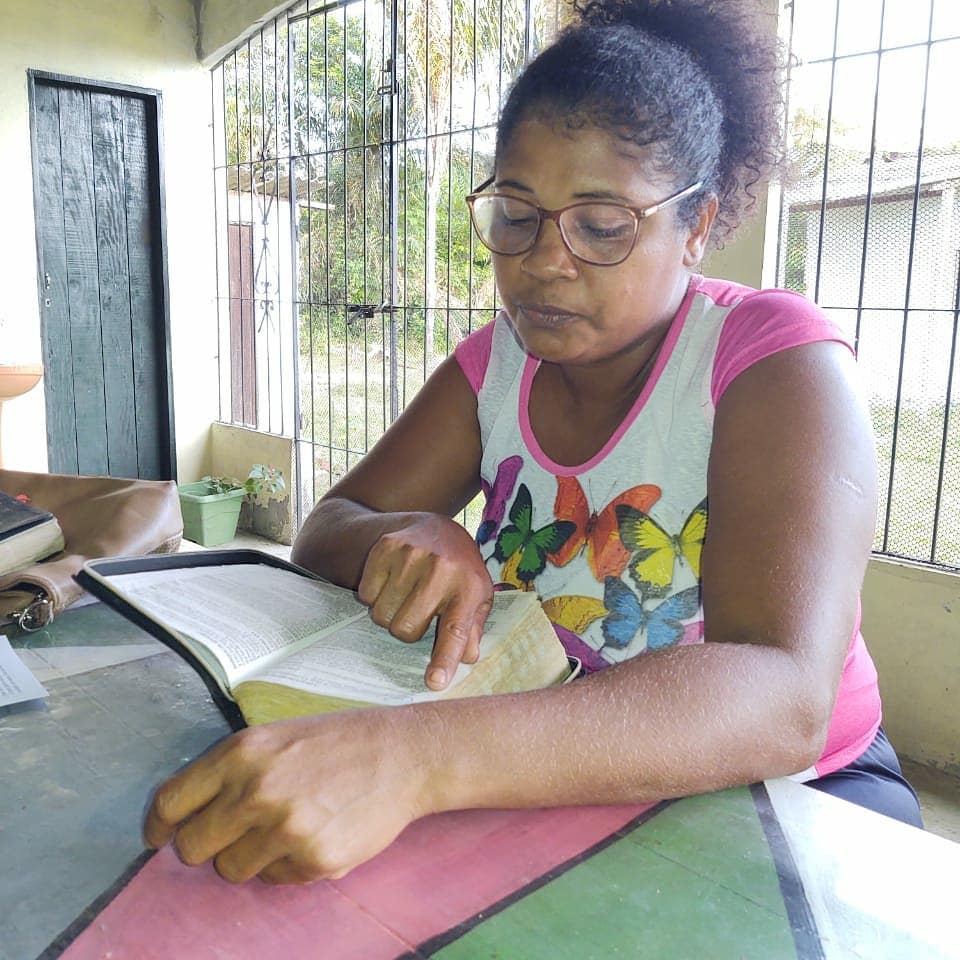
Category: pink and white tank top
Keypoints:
(612, 545)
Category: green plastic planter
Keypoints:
(209, 518)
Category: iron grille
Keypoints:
(870, 229)
(347, 135)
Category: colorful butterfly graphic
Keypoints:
(532, 545)
(574, 613)
(654, 551)
(597, 532)
(627, 617)
(508, 575)
(497, 497)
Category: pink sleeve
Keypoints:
(473, 355)
(764, 323)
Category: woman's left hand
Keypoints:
(298, 800)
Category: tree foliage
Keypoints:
(314, 123)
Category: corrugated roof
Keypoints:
(894, 175)
(264, 182)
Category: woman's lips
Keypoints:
(546, 314)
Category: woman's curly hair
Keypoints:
(695, 81)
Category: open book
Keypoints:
(278, 642)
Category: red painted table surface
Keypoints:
(441, 871)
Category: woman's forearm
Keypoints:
(337, 536)
(324, 793)
(686, 720)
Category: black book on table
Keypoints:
(18, 515)
(27, 534)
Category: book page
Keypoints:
(358, 664)
(364, 662)
(247, 615)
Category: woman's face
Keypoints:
(568, 311)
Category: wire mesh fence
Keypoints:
(349, 133)
(870, 228)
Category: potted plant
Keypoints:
(211, 506)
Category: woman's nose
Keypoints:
(549, 257)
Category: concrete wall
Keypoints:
(926, 363)
(911, 622)
(741, 258)
(223, 23)
(143, 43)
(235, 451)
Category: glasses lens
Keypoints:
(599, 232)
(506, 224)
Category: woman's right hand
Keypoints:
(430, 567)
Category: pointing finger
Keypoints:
(455, 633)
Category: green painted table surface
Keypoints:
(774, 870)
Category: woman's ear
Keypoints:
(697, 238)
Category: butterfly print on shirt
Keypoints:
(653, 551)
(497, 497)
(597, 533)
(522, 547)
(628, 619)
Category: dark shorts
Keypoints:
(875, 781)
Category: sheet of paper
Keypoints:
(17, 683)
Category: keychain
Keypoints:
(35, 615)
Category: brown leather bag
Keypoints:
(100, 517)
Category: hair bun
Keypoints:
(735, 43)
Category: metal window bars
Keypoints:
(345, 137)
(870, 228)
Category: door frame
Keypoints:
(153, 102)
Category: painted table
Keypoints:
(769, 871)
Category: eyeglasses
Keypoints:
(597, 232)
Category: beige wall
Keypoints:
(223, 23)
(741, 260)
(911, 622)
(143, 43)
(235, 451)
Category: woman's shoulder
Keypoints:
(767, 303)
(760, 323)
(474, 351)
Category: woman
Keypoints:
(682, 468)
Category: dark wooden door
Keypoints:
(102, 299)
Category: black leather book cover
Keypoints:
(16, 516)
